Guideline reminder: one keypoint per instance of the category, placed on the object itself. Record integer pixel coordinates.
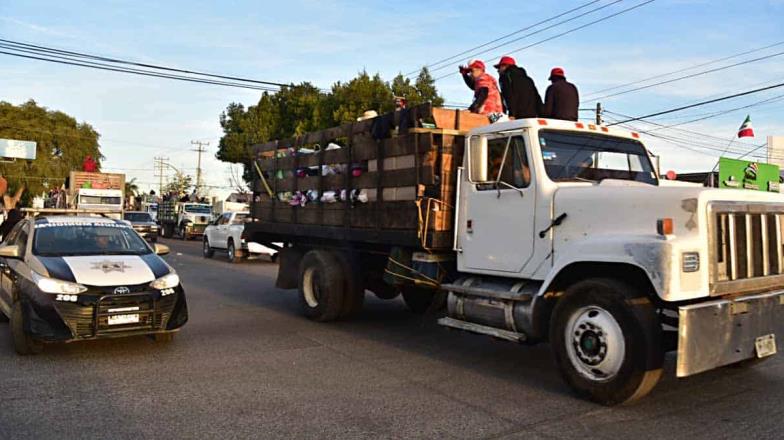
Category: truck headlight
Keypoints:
(690, 261)
(166, 282)
(51, 285)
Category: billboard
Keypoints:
(15, 149)
(744, 174)
(776, 150)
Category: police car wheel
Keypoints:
(23, 343)
(207, 251)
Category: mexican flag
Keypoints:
(746, 130)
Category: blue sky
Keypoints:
(330, 40)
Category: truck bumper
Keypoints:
(723, 332)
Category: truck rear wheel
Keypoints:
(353, 287)
(321, 284)
(231, 252)
(606, 341)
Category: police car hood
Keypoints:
(106, 270)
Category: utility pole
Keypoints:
(199, 149)
(160, 162)
(598, 113)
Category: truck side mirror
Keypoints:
(477, 159)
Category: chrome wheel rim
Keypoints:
(206, 247)
(595, 343)
(231, 252)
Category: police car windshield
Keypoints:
(198, 209)
(55, 239)
(594, 157)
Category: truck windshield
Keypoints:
(99, 200)
(198, 209)
(57, 240)
(137, 217)
(592, 157)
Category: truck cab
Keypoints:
(565, 232)
(106, 200)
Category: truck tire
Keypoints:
(24, 344)
(321, 284)
(207, 251)
(421, 299)
(231, 252)
(353, 289)
(183, 234)
(606, 340)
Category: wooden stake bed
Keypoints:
(403, 177)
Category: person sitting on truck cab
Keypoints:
(487, 98)
(561, 99)
(520, 97)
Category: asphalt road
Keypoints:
(247, 365)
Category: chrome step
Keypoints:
(482, 329)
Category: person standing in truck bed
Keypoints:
(487, 98)
(561, 99)
(518, 90)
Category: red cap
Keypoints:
(506, 61)
(557, 72)
(476, 64)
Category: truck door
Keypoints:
(498, 198)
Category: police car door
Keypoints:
(9, 266)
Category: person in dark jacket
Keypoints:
(14, 216)
(561, 99)
(520, 97)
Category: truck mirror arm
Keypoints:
(500, 183)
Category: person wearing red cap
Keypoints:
(561, 99)
(520, 97)
(487, 97)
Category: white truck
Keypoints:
(563, 232)
(105, 200)
(227, 233)
(184, 219)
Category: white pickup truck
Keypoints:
(226, 233)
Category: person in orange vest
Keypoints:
(487, 98)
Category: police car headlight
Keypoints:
(51, 285)
(166, 282)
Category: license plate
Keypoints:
(766, 345)
(123, 319)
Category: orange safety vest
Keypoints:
(493, 102)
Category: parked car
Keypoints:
(143, 223)
(226, 233)
(67, 278)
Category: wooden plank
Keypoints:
(458, 119)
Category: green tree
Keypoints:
(297, 109)
(426, 88)
(62, 145)
(180, 184)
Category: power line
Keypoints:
(62, 60)
(414, 72)
(133, 63)
(698, 104)
(568, 32)
(693, 75)
(663, 75)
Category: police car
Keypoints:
(67, 278)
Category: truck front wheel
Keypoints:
(606, 340)
(321, 283)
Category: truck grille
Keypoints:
(746, 247)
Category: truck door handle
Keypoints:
(556, 222)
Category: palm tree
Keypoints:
(131, 189)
